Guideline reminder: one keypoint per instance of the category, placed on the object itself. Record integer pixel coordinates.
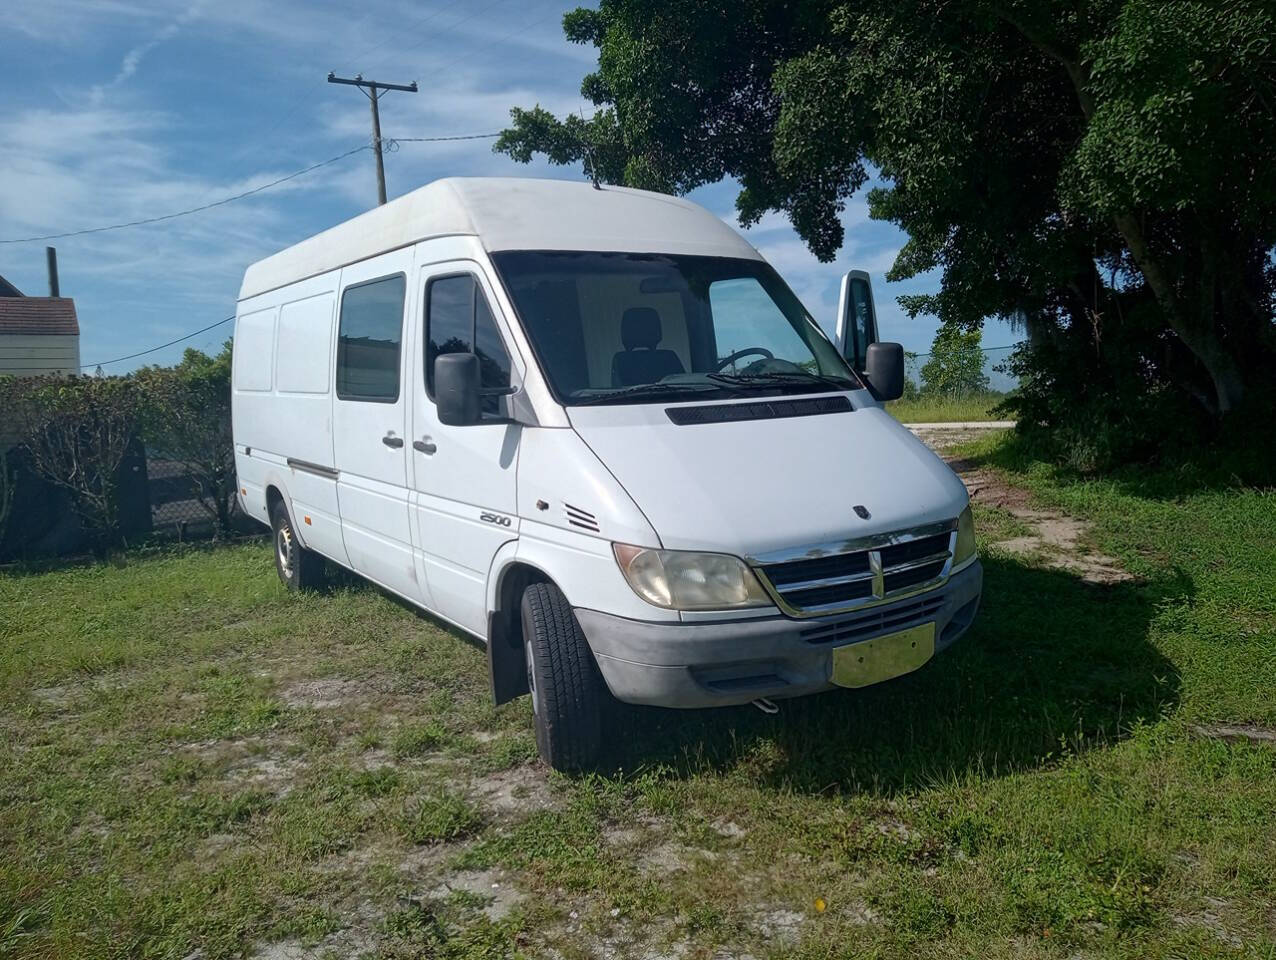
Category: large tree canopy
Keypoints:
(1102, 171)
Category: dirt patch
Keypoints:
(941, 439)
(894, 828)
(729, 829)
(1237, 733)
(1057, 539)
(519, 790)
(354, 941)
(1211, 919)
(781, 926)
(492, 885)
(323, 694)
(54, 696)
(272, 774)
(374, 759)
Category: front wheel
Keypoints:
(568, 692)
(298, 568)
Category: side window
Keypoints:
(863, 326)
(368, 339)
(458, 320)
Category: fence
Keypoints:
(96, 462)
(162, 499)
(180, 507)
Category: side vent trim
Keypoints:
(580, 518)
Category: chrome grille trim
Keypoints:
(876, 551)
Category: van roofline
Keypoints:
(507, 213)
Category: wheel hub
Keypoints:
(531, 678)
(283, 547)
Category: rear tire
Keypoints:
(568, 692)
(298, 568)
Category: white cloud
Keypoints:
(197, 103)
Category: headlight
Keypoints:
(681, 580)
(965, 537)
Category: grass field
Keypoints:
(195, 763)
(946, 409)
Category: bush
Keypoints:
(1092, 415)
(187, 418)
(76, 432)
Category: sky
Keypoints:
(119, 110)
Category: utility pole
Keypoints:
(373, 90)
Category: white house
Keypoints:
(38, 335)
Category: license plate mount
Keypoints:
(882, 658)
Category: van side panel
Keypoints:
(283, 433)
(254, 352)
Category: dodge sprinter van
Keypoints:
(593, 428)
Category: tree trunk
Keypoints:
(1197, 334)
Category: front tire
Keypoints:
(568, 692)
(298, 568)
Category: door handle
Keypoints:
(392, 441)
(425, 446)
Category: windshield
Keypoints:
(641, 328)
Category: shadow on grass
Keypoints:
(1051, 664)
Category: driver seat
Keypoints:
(641, 361)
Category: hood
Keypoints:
(754, 486)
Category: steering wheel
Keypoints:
(747, 352)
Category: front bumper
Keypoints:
(721, 663)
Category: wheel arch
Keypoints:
(277, 492)
(506, 663)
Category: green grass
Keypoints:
(946, 409)
(194, 760)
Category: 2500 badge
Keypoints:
(495, 518)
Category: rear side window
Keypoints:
(458, 320)
(369, 338)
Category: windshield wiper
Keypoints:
(653, 390)
(782, 377)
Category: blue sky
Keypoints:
(116, 110)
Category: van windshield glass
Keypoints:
(648, 328)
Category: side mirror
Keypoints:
(856, 319)
(456, 389)
(884, 370)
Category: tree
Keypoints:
(188, 419)
(956, 364)
(77, 432)
(1099, 171)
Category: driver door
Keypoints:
(464, 503)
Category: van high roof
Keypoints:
(508, 213)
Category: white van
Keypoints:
(594, 428)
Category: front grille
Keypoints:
(826, 582)
(879, 620)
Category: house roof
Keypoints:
(507, 213)
(38, 316)
(8, 290)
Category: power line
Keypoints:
(246, 193)
(142, 353)
(467, 136)
(983, 349)
(184, 213)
